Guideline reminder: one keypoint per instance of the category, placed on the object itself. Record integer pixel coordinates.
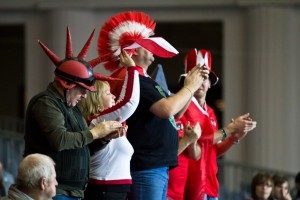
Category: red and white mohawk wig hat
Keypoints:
(202, 57)
(71, 70)
(130, 30)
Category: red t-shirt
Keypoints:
(192, 179)
(178, 175)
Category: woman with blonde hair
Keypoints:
(109, 176)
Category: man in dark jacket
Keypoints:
(54, 125)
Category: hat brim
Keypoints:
(212, 77)
(67, 84)
(156, 45)
(90, 88)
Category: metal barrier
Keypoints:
(11, 143)
(12, 124)
(235, 178)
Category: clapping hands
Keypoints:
(241, 126)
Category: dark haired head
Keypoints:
(261, 178)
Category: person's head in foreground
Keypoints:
(36, 177)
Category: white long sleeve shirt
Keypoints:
(111, 165)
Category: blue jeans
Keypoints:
(210, 198)
(149, 184)
(63, 197)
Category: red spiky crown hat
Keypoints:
(130, 30)
(202, 57)
(72, 70)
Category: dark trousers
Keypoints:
(106, 192)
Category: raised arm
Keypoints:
(170, 106)
(129, 97)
